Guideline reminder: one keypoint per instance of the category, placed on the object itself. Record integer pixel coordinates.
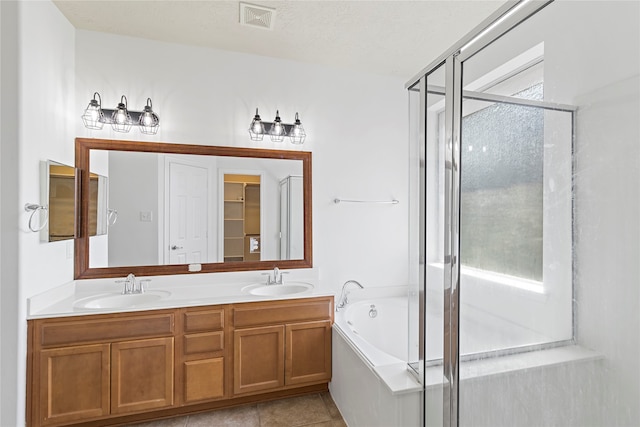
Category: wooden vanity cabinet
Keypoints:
(91, 367)
(114, 369)
(279, 345)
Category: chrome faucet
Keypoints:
(345, 294)
(131, 286)
(277, 277)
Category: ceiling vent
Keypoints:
(257, 16)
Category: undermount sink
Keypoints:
(289, 288)
(120, 300)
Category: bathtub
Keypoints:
(371, 385)
(378, 329)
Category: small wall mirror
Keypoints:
(59, 190)
(176, 208)
(60, 194)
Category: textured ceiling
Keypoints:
(389, 37)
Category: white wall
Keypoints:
(37, 124)
(355, 124)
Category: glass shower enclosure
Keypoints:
(506, 133)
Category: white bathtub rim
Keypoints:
(391, 371)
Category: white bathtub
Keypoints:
(381, 338)
(371, 385)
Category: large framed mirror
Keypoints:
(179, 208)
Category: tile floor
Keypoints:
(314, 410)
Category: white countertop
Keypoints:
(185, 291)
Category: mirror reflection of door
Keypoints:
(188, 190)
(241, 217)
(291, 223)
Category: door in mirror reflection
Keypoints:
(188, 209)
(291, 223)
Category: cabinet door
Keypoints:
(74, 383)
(141, 375)
(258, 359)
(308, 352)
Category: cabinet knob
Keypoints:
(174, 247)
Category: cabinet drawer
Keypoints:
(85, 330)
(204, 320)
(204, 342)
(271, 313)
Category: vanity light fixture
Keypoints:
(297, 133)
(277, 129)
(149, 121)
(93, 117)
(121, 118)
(256, 129)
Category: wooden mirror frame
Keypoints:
(83, 146)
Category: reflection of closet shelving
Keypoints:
(241, 218)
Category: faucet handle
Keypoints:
(129, 285)
(269, 281)
(142, 282)
(282, 273)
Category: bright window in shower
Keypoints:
(501, 224)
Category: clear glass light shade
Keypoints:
(297, 133)
(277, 131)
(149, 121)
(121, 119)
(93, 118)
(256, 129)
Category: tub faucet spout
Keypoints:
(343, 300)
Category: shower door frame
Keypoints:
(495, 26)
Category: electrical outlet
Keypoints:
(146, 216)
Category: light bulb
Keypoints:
(121, 117)
(147, 119)
(257, 127)
(277, 129)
